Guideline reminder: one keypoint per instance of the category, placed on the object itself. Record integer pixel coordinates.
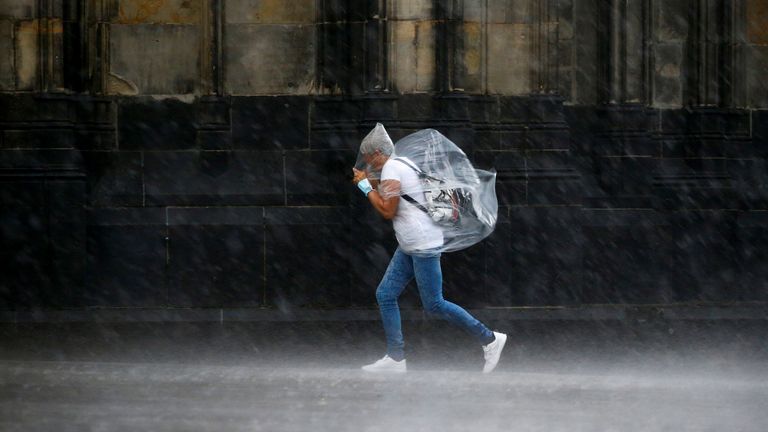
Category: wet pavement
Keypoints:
(555, 376)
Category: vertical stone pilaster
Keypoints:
(714, 55)
(47, 31)
(376, 47)
(540, 46)
(624, 35)
(551, 35)
(98, 14)
(211, 60)
(451, 71)
(733, 90)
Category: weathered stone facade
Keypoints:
(190, 153)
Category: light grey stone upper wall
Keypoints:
(269, 47)
(411, 10)
(18, 8)
(158, 12)
(507, 47)
(155, 59)
(270, 11)
(266, 59)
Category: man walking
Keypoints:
(418, 234)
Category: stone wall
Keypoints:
(190, 153)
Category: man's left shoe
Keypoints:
(492, 352)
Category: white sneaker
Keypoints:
(386, 365)
(492, 352)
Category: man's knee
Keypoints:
(435, 307)
(384, 296)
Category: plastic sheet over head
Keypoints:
(458, 198)
(375, 149)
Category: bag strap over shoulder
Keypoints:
(418, 171)
(410, 165)
(408, 197)
(415, 203)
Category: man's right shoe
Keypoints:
(386, 365)
(492, 352)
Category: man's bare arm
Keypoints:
(386, 205)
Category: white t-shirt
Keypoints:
(414, 229)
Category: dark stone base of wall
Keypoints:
(247, 202)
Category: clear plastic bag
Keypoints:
(458, 199)
(375, 146)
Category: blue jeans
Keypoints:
(429, 278)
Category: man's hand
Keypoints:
(358, 175)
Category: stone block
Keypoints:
(160, 12)
(214, 112)
(757, 88)
(270, 12)
(334, 109)
(547, 138)
(546, 256)
(510, 11)
(269, 59)
(667, 75)
(671, 19)
(25, 255)
(750, 178)
(411, 107)
(214, 178)
(25, 107)
(474, 11)
(508, 53)
(336, 137)
(752, 231)
(156, 125)
(695, 184)
(126, 259)
(514, 139)
(412, 10)
(757, 22)
(214, 140)
(156, 59)
(379, 109)
(704, 254)
(471, 58)
(67, 241)
(552, 179)
(342, 10)
(18, 8)
(93, 111)
(38, 139)
(483, 109)
(270, 123)
(298, 261)
(563, 14)
(26, 50)
(319, 177)
(413, 56)
(623, 259)
(114, 178)
(70, 160)
(216, 265)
